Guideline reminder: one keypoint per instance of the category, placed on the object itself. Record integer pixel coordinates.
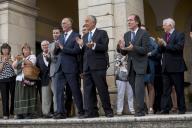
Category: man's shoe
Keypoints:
(90, 116)
(59, 116)
(139, 114)
(181, 112)
(96, 114)
(48, 116)
(19, 116)
(164, 112)
(81, 116)
(109, 115)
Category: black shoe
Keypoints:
(96, 114)
(81, 116)
(59, 116)
(139, 114)
(109, 115)
(48, 116)
(181, 112)
(164, 112)
(90, 116)
(28, 116)
(19, 116)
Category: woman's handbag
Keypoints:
(121, 73)
(31, 72)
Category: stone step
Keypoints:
(149, 121)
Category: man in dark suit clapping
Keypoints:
(136, 46)
(67, 69)
(94, 47)
(173, 65)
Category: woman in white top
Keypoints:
(25, 90)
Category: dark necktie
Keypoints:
(168, 37)
(65, 36)
(132, 37)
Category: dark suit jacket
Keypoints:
(139, 54)
(172, 60)
(44, 70)
(68, 55)
(96, 59)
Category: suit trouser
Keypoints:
(74, 85)
(53, 87)
(68, 99)
(122, 88)
(92, 97)
(96, 79)
(137, 83)
(47, 97)
(71, 79)
(170, 79)
(59, 91)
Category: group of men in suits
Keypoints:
(93, 46)
(63, 67)
(173, 65)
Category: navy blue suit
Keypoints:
(173, 67)
(67, 70)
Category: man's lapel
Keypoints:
(69, 38)
(42, 61)
(136, 36)
(172, 37)
(94, 35)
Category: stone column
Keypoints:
(17, 23)
(112, 17)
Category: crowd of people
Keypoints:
(145, 69)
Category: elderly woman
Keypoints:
(25, 90)
(7, 80)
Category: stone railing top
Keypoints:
(148, 118)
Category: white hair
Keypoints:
(169, 21)
(44, 42)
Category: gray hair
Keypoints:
(44, 42)
(169, 21)
(93, 18)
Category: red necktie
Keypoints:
(168, 37)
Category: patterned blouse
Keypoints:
(7, 71)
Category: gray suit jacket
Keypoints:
(138, 56)
(53, 59)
